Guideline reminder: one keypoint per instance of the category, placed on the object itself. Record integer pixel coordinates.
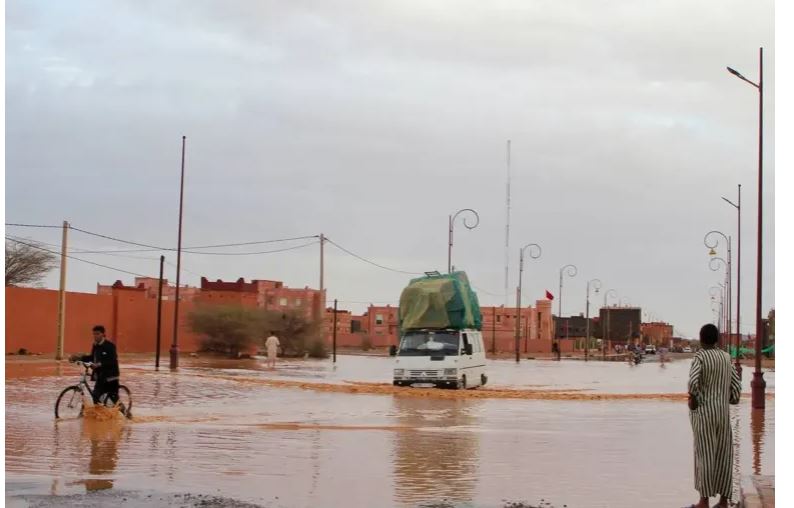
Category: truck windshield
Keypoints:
(429, 344)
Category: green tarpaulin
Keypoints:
(440, 301)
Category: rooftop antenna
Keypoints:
(507, 226)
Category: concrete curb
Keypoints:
(757, 492)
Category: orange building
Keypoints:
(657, 333)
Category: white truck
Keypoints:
(440, 358)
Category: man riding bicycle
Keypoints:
(105, 366)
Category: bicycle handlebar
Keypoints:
(87, 365)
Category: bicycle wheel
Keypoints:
(125, 401)
(69, 403)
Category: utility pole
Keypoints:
(322, 278)
(174, 345)
(159, 313)
(334, 332)
(518, 323)
(493, 330)
(62, 294)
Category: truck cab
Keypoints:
(441, 358)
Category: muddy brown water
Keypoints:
(311, 434)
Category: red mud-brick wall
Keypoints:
(129, 318)
(32, 319)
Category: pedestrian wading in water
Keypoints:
(714, 384)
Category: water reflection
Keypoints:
(441, 458)
(757, 421)
(103, 438)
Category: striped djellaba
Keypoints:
(715, 384)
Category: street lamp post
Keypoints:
(452, 229)
(606, 334)
(714, 266)
(534, 253)
(597, 285)
(738, 206)
(571, 271)
(758, 384)
(712, 244)
(715, 291)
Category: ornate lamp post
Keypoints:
(571, 271)
(534, 253)
(595, 284)
(452, 230)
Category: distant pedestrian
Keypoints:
(272, 344)
(713, 385)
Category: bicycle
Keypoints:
(71, 401)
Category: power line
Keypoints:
(78, 250)
(31, 225)
(368, 261)
(481, 290)
(294, 247)
(188, 250)
(76, 258)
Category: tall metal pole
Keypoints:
(321, 310)
(729, 290)
(758, 384)
(605, 331)
(587, 318)
(507, 225)
(739, 281)
(175, 344)
(597, 284)
(159, 314)
(571, 271)
(534, 254)
(449, 247)
(451, 231)
(62, 294)
(334, 344)
(518, 323)
(738, 364)
(493, 330)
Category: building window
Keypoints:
(271, 300)
(378, 319)
(298, 302)
(499, 319)
(282, 302)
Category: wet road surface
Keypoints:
(233, 430)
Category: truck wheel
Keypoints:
(462, 383)
(483, 380)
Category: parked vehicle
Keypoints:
(440, 358)
(650, 349)
(687, 349)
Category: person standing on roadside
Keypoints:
(272, 344)
(714, 384)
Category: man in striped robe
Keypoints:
(713, 385)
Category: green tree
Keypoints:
(295, 331)
(227, 329)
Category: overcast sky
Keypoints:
(371, 122)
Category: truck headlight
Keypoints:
(450, 372)
(399, 372)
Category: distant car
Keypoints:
(650, 349)
(687, 349)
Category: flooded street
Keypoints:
(313, 435)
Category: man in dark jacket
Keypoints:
(106, 366)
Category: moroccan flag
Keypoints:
(549, 296)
